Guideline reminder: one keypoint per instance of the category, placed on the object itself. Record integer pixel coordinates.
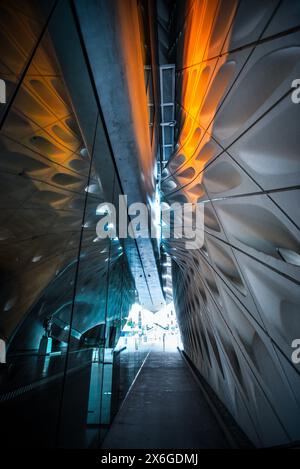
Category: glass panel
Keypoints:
(65, 293)
(42, 202)
(21, 24)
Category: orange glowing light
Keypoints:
(206, 33)
(131, 38)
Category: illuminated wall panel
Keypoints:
(237, 298)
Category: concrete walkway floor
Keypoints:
(165, 410)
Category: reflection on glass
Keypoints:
(65, 294)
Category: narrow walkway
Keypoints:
(165, 409)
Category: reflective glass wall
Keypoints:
(65, 293)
